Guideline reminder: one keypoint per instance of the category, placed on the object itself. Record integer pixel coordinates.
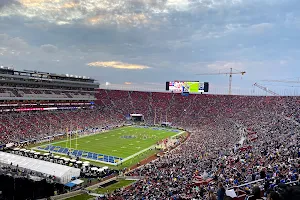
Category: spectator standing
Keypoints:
(221, 192)
(211, 195)
(273, 196)
(256, 194)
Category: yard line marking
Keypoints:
(144, 137)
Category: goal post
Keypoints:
(67, 138)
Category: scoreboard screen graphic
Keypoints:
(185, 86)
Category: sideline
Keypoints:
(144, 150)
(154, 157)
(102, 162)
(116, 177)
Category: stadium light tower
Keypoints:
(226, 73)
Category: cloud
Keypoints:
(118, 65)
(135, 86)
(119, 19)
(261, 27)
(283, 62)
(178, 5)
(4, 3)
(63, 12)
(49, 48)
(180, 38)
(13, 43)
(221, 65)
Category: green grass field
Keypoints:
(121, 142)
(113, 187)
(80, 197)
(108, 189)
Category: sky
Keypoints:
(148, 42)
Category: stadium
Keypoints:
(149, 100)
(62, 133)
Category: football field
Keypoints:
(113, 146)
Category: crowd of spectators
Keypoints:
(220, 152)
(34, 126)
(19, 183)
(219, 148)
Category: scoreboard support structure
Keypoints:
(185, 94)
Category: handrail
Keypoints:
(245, 184)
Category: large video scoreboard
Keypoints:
(187, 86)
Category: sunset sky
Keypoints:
(153, 41)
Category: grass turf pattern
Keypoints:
(114, 145)
(80, 197)
(115, 186)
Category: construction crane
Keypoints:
(265, 89)
(230, 76)
(281, 81)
